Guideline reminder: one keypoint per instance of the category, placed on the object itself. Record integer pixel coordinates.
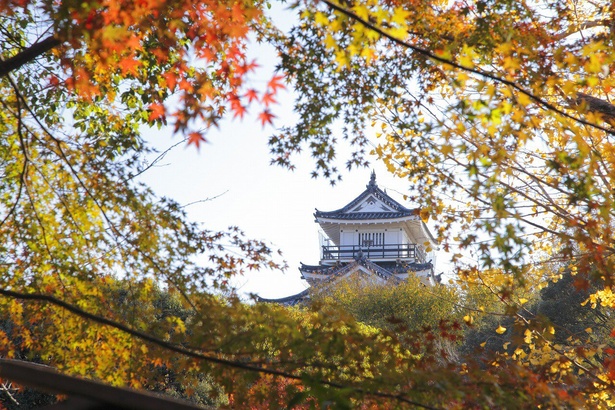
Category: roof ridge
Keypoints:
(399, 210)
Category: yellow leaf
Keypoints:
(341, 58)
(361, 11)
(399, 33)
(523, 99)
(528, 336)
(501, 329)
(424, 214)
(321, 19)
(511, 63)
(330, 41)
(400, 16)
(446, 149)
(468, 319)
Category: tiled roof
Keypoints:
(336, 271)
(383, 269)
(399, 211)
(324, 269)
(339, 214)
(404, 267)
(386, 271)
(288, 300)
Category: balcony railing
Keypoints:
(391, 251)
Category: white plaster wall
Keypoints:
(349, 237)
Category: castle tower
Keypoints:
(373, 237)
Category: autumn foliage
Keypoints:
(497, 113)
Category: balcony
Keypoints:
(411, 251)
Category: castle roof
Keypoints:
(392, 271)
(371, 204)
(288, 300)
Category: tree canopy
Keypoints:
(497, 113)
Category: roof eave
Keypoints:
(354, 221)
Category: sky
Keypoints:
(232, 178)
(266, 201)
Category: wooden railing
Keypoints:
(391, 251)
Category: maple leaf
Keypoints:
(239, 111)
(129, 65)
(268, 99)
(266, 117)
(196, 138)
(186, 85)
(171, 79)
(251, 95)
(157, 111)
(54, 81)
(244, 68)
(275, 83)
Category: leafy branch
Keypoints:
(482, 73)
(195, 354)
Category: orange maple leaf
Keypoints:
(245, 68)
(266, 117)
(157, 111)
(196, 138)
(238, 13)
(129, 65)
(276, 83)
(171, 79)
(251, 95)
(186, 85)
(268, 99)
(239, 111)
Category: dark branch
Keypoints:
(597, 105)
(28, 55)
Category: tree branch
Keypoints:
(597, 105)
(197, 355)
(431, 55)
(28, 55)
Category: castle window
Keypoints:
(371, 238)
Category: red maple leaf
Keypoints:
(251, 95)
(186, 85)
(196, 138)
(239, 111)
(157, 111)
(54, 81)
(244, 68)
(276, 83)
(268, 99)
(266, 117)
